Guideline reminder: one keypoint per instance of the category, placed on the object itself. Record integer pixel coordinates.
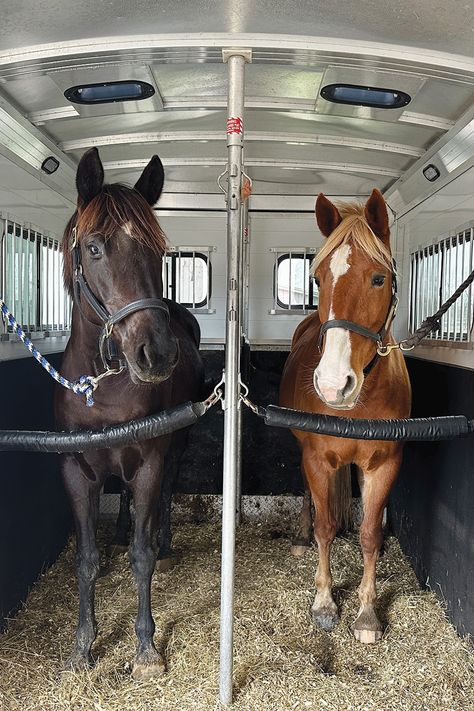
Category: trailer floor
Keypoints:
(280, 662)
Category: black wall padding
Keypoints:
(35, 518)
(431, 508)
(414, 430)
(157, 425)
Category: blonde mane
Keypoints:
(354, 229)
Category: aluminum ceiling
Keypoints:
(296, 142)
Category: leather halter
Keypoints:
(376, 336)
(107, 347)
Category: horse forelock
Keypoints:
(116, 207)
(354, 230)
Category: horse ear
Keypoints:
(377, 216)
(327, 215)
(150, 183)
(89, 177)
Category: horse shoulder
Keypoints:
(309, 326)
(301, 360)
(189, 323)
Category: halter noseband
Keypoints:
(107, 347)
(376, 336)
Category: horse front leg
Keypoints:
(324, 609)
(376, 487)
(302, 541)
(124, 521)
(146, 491)
(84, 498)
(171, 467)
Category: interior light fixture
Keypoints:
(431, 172)
(50, 165)
(109, 92)
(355, 95)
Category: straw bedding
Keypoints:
(280, 662)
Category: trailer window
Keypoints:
(31, 280)
(435, 273)
(187, 277)
(294, 288)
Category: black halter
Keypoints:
(107, 347)
(376, 336)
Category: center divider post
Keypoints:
(236, 60)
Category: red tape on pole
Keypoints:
(234, 125)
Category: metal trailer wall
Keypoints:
(35, 519)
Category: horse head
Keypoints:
(113, 250)
(357, 295)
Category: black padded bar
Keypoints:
(422, 429)
(162, 423)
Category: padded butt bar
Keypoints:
(422, 429)
(119, 435)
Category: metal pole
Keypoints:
(236, 64)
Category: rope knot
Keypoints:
(86, 385)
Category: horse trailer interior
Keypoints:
(254, 109)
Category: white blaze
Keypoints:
(335, 366)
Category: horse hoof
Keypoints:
(367, 636)
(142, 671)
(325, 618)
(298, 550)
(367, 628)
(163, 565)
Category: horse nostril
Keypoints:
(144, 356)
(349, 386)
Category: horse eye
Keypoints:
(317, 282)
(378, 280)
(93, 250)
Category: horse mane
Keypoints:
(116, 207)
(354, 229)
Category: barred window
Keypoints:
(187, 277)
(436, 272)
(31, 279)
(294, 289)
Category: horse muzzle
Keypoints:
(149, 363)
(338, 393)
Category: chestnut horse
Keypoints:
(113, 249)
(357, 297)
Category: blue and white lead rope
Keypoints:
(85, 385)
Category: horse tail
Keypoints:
(341, 499)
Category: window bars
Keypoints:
(294, 289)
(435, 273)
(187, 277)
(31, 280)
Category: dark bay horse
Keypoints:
(113, 249)
(356, 277)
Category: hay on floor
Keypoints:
(280, 662)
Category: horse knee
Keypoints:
(370, 539)
(142, 559)
(325, 531)
(88, 564)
